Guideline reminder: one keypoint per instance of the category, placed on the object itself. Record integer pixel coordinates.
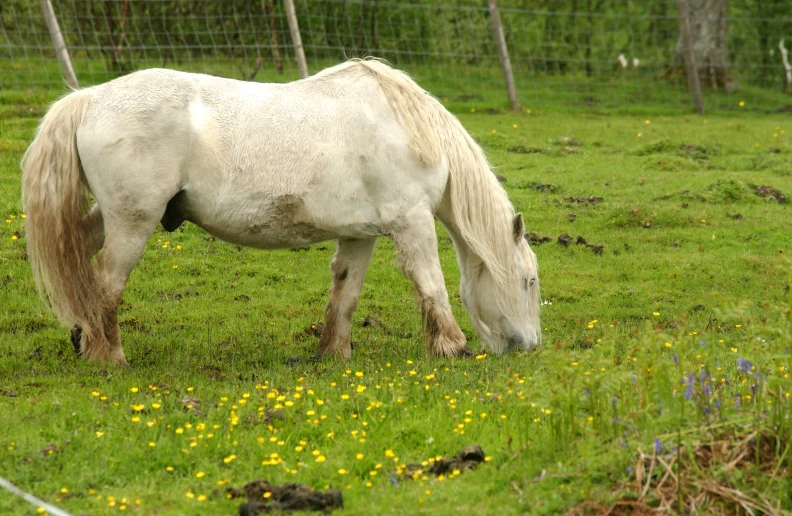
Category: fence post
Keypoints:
(690, 56)
(294, 28)
(503, 53)
(60, 46)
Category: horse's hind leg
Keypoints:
(349, 267)
(123, 244)
(416, 243)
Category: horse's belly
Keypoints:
(280, 222)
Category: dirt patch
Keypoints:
(178, 296)
(535, 239)
(522, 149)
(769, 193)
(256, 418)
(192, 405)
(704, 475)
(590, 200)
(50, 449)
(537, 186)
(263, 497)
(468, 457)
(564, 239)
(569, 142)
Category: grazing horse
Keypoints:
(354, 153)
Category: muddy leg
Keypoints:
(349, 267)
(122, 248)
(416, 242)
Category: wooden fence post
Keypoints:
(690, 56)
(294, 28)
(61, 51)
(503, 53)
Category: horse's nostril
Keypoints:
(515, 342)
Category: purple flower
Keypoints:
(658, 445)
(689, 388)
(676, 358)
(702, 342)
(744, 365)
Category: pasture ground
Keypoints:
(675, 334)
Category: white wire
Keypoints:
(51, 509)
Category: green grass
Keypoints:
(680, 274)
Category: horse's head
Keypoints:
(505, 312)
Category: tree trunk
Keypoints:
(708, 25)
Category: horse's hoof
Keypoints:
(76, 339)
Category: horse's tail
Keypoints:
(480, 208)
(55, 197)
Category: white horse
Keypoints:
(356, 152)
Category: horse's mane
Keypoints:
(480, 208)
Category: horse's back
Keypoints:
(323, 156)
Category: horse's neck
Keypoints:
(467, 259)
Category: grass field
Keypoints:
(675, 335)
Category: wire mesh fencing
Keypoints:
(601, 53)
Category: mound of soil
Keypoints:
(468, 457)
(265, 497)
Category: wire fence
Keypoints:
(608, 53)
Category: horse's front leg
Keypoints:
(416, 242)
(348, 267)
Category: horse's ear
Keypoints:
(518, 228)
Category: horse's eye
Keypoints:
(533, 280)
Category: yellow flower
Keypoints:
(481, 357)
(133, 389)
(96, 394)
(359, 456)
(321, 458)
(656, 314)
(342, 471)
(389, 453)
(202, 498)
(138, 408)
(359, 374)
(169, 468)
(152, 444)
(13, 237)
(200, 474)
(741, 104)
(190, 495)
(514, 126)
(360, 388)
(155, 406)
(136, 419)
